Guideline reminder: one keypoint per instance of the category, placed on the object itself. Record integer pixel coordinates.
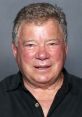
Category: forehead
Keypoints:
(48, 27)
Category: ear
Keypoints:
(14, 50)
(66, 48)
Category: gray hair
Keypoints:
(39, 13)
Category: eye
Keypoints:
(30, 45)
(53, 43)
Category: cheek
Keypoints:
(58, 54)
(27, 56)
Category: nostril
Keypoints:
(42, 55)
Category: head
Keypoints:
(39, 13)
(40, 43)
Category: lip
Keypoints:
(42, 68)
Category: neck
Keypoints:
(45, 96)
(45, 93)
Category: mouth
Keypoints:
(42, 68)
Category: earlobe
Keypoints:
(66, 48)
(14, 49)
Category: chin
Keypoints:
(43, 79)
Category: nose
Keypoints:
(42, 53)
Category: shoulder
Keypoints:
(76, 83)
(9, 82)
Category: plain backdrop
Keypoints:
(8, 11)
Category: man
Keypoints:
(42, 87)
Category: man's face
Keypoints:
(41, 52)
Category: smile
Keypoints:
(42, 68)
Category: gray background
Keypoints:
(73, 10)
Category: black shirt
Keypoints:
(16, 101)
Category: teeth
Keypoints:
(41, 67)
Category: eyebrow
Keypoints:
(54, 39)
(30, 40)
(27, 41)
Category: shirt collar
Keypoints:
(67, 84)
(14, 81)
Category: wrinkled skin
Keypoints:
(39, 59)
